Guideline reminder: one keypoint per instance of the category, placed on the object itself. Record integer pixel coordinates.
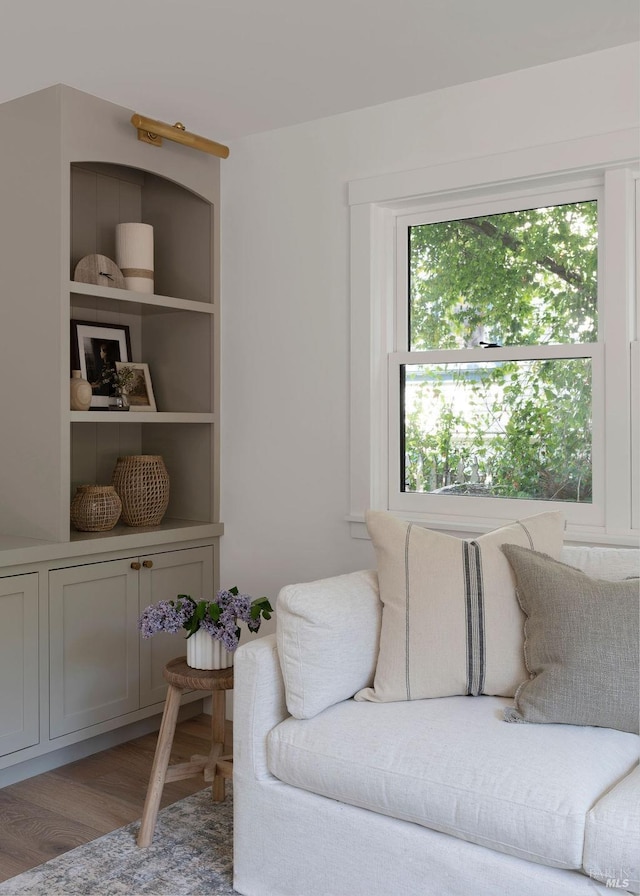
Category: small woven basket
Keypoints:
(142, 483)
(95, 508)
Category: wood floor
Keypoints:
(54, 812)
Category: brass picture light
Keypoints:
(152, 131)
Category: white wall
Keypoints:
(285, 292)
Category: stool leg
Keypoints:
(218, 714)
(160, 764)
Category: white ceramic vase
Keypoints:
(80, 392)
(205, 652)
(134, 255)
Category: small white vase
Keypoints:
(80, 392)
(205, 652)
(134, 255)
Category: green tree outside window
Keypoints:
(508, 428)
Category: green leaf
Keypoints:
(214, 611)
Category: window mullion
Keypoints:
(506, 353)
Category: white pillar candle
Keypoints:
(134, 256)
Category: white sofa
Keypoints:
(430, 796)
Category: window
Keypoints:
(506, 423)
(499, 349)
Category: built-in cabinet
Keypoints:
(73, 664)
(173, 331)
(99, 667)
(72, 169)
(19, 631)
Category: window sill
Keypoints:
(471, 528)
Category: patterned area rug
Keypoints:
(191, 855)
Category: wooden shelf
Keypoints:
(15, 551)
(110, 417)
(136, 302)
(169, 529)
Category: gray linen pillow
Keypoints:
(581, 647)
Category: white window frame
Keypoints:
(635, 376)
(441, 505)
(379, 206)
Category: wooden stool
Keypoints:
(216, 767)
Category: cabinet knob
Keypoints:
(147, 564)
(135, 565)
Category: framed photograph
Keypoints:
(95, 349)
(140, 393)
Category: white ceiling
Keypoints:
(227, 68)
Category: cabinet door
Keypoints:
(171, 573)
(93, 652)
(19, 710)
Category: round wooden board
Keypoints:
(100, 270)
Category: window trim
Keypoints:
(375, 205)
(635, 371)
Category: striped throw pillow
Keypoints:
(451, 622)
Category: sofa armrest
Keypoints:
(258, 705)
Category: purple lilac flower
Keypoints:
(208, 625)
(229, 640)
(243, 607)
(232, 608)
(225, 635)
(165, 616)
(223, 598)
(227, 618)
(229, 609)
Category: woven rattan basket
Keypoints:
(142, 482)
(95, 508)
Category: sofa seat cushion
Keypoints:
(453, 765)
(612, 837)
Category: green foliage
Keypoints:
(527, 277)
(521, 429)
(259, 608)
